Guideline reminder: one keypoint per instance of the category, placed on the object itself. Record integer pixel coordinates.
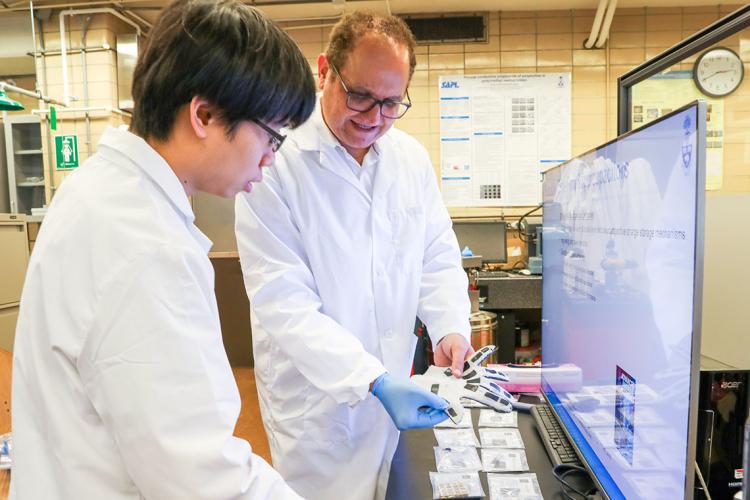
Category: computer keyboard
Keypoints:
(492, 274)
(555, 441)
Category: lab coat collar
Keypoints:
(142, 155)
(152, 163)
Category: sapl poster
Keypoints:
(498, 133)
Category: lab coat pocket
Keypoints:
(407, 225)
(407, 232)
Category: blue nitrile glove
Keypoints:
(409, 406)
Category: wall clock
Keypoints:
(718, 72)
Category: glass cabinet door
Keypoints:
(25, 163)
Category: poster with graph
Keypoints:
(498, 133)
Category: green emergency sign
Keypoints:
(66, 151)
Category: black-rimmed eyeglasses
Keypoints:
(275, 140)
(364, 102)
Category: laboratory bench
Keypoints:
(415, 458)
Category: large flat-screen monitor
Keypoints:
(622, 269)
(487, 238)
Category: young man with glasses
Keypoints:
(121, 386)
(342, 247)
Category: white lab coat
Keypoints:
(336, 278)
(121, 385)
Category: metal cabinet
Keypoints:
(14, 255)
(25, 162)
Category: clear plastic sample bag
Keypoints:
(514, 486)
(491, 418)
(500, 438)
(504, 460)
(455, 438)
(456, 485)
(464, 423)
(464, 459)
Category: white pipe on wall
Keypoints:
(306, 26)
(591, 40)
(140, 19)
(14, 7)
(63, 50)
(33, 37)
(38, 94)
(604, 33)
(295, 19)
(86, 109)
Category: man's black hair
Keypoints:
(227, 53)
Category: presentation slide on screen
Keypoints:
(619, 265)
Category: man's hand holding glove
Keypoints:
(452, 350)
(409, 405)
(476, 383)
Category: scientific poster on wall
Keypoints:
(498, 133)
(666, 92)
